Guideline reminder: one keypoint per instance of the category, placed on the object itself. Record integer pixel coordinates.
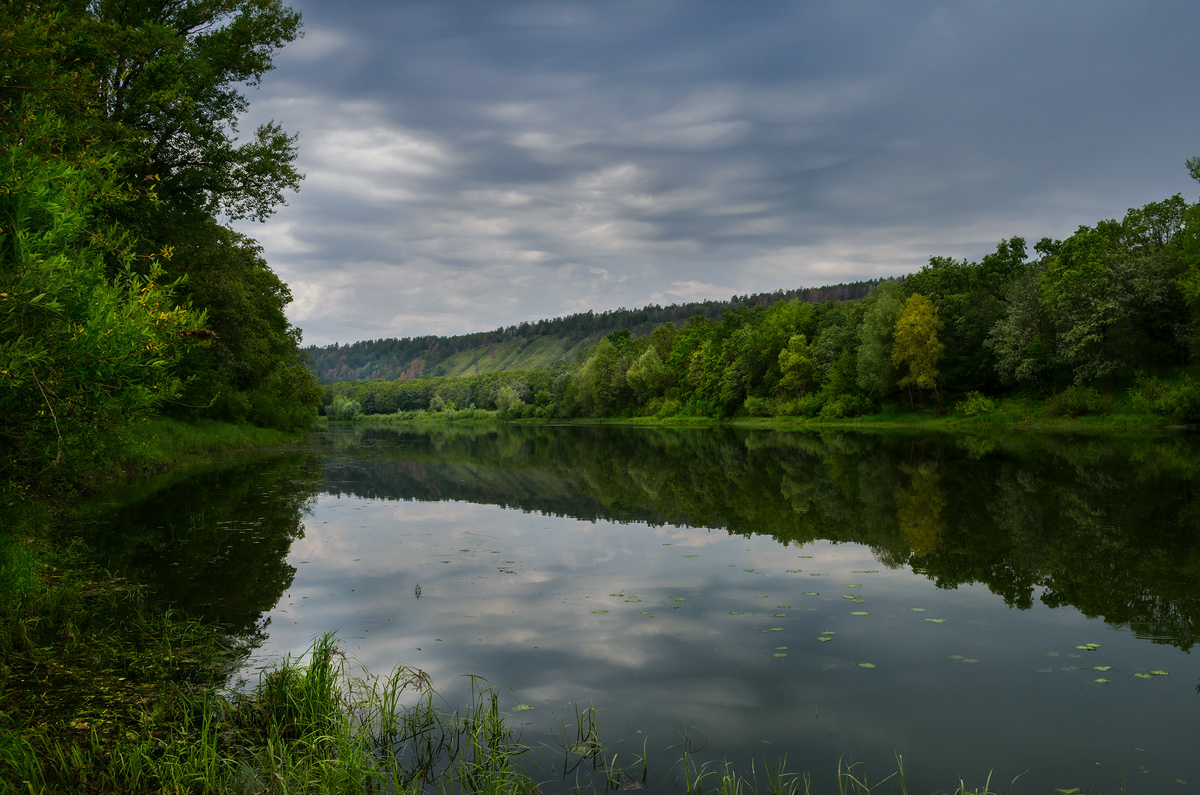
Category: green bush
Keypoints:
(975, 404)
(1076, 401)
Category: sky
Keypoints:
(472, 165)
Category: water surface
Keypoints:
(1021, 605)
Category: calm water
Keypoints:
(749, 594)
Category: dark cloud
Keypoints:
(474, 164)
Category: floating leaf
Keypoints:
(761, 596)
(1101, 681)
(777, 629)
(865, 571)
(689, 556)
(779, 654)
(781, 648)
(1102, 667)
(814, 574)
(645, 613)
(854, 585)
(917, 609)
(969, 660)
(825, 638)
(1071, 791)
(599, 611)
(860, 613)
(866, 665)
(810, 593)
(850, 596)
(1143, 676)
(809, 557)
(783, 607)
(781, 615)
(616, 594)
(935, 620)
(1159, 673)
(522, 707)
(794, 571)
(748, 570)
(679, 598)
(633, 599)
(828, 632)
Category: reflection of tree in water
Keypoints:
(215, 545)
(1108, 526)
(919, 507)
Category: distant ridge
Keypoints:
(529, 346)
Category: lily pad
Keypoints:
(810, 593)
(866, 665)
(850, 596)
(1143, 676)
(783, 607)
(1102, 667)
(917, 609)
(814, 574)
(781, 648)
(645, 613)
(522, 707)
(1102, 681)
(794, 571)
(935, 620)
(854, 585)
(781, 615)
(736, 613)
(777, 629)
(779, 654)
(599, 611)
(1159, 673)
(689, 556)
(825, 638)
(860, 613)
(828, 632)
(679, 598)
(865, 571)
(748, 570)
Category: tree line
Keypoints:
(410, 357)
(123, 291)
(1118, 300)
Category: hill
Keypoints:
(528, 345)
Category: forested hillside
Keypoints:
(123, 293)
(1118, 300)
(532, 345)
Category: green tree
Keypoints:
(88, 335)
(876, 373)
(799, 371)
(917, 348)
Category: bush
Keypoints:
(975, 405)
(1076, 401)
(758, 407)
(844, 406)
(811, 405)
(1181, 403)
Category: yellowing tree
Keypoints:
(917, 349)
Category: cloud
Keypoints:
(475, 165)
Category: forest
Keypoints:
(1117, 303)
(124, 292)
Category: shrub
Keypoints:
(758, 407)
(975, 404)
(1076, 401)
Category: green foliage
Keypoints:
(974, 404)
(1077, 401)
(917, 348)
(88, 335)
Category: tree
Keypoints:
(876, 373)
(88, 335)
(799, 371)
(917, 347)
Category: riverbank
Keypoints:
(967, 416)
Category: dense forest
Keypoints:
(410, 357)
(1118, 300)
(123, 291)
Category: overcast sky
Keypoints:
(477, 164)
